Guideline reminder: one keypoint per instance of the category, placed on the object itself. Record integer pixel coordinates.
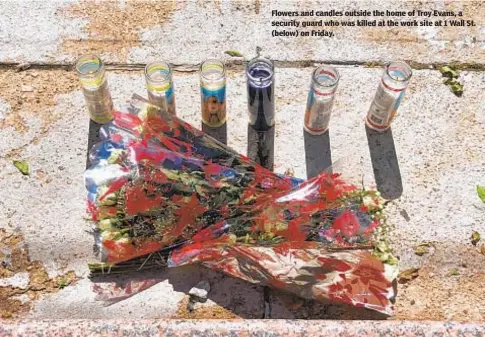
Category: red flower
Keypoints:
(347, 223)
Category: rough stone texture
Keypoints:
(429, 164)
(255, 328)
(49, 31)
(200, 290)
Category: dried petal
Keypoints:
(449, 71)
(457, 88)
(475, 238)
(408, 275)
(421, 250)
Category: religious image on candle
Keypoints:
(213, 92)
(213, 106)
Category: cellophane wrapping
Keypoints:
(156, 183)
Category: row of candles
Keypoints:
(260, 75)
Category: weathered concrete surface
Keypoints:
(256, 328)
(429, 164)
(187, 31)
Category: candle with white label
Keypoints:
(389, 95)
(320, 99)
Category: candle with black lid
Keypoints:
(260, 84)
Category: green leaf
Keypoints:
(481, 192)
(62, 283)
(234, 53)
(449, 71)
(22, 166)
(475, 238)
(454, 272)
(457, 88)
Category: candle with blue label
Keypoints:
(158, 76)
(213, 99)
(260, 84)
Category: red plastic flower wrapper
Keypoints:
(307, 269)
(157, 183)
(157, 198)
(144, 121)
(273, 246)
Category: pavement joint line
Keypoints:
(238, 64)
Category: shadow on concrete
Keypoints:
(241, 298)
(93, 138)
(219, 133)
(261, 147)
(385, 163)
(237, 296)
(318, 155)
(289, 306)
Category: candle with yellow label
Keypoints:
(94, 84)
(160, 88)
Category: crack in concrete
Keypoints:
(239, 64)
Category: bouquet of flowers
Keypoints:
(158, 185)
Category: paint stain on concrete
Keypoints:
(31, 94)
(257, 6)
(113, 29)
(14, 259)
(437, 295)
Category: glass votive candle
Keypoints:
(94, 84)
(160, 88)
(320, 100)
(260, 85)
(389, 95)
(213, 92)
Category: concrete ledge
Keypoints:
(273, 328)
